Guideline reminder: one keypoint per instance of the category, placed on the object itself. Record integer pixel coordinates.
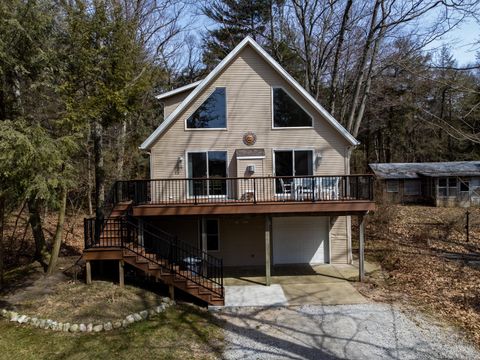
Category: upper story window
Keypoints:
(287, 112)
(212, 114)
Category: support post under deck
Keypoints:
(121, 273)
(268, 252)
(88, 269)
(361, 248)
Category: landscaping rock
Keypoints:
(4, 313)
(48, 324)
(13, 316)
(166, 300)
(42, 323)
(137, 317)
(98, 328)
(34, 321)
(21, 319)
(125, 323)
(82, 328)
(160, 308)
(144, 314)
(74, 328)
(53, 325)
(90, 327)
(66, 327)
(107, 326)
(151, 313)
(117, 324)
(130, 319)
(59, 327)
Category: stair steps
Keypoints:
(151, 265)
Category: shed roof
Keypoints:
(430, 169)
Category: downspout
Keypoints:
(348, 154)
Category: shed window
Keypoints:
(412, 187)
(392, 186)
(447, 187)
(287, 112)
(211, 114)
(464, 186)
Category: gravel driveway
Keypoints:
(366, 331)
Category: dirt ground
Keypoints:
(423, 252)
(61, 298)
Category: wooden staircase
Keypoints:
(119, 240)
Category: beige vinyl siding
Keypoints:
(339, 239)
(172, 102)
(242, 241)
(248, 81)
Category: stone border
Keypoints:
(49, 324)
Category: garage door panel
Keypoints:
(300, 240)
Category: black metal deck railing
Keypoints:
(245, 190)
(161, 248)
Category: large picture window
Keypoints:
(211, 167)
(447, 187)
(287, 112)
(291, 163)
(212, 114)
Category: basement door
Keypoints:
(300, 240)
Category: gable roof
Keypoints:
(428, 169)
(223, 64)
(178, 90)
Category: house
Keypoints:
(434, 183)
(246, 170)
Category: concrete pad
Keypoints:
(323, 294)
(255, 295)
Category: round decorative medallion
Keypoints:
(249, 138)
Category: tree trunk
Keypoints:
(58, 232)
(361, 66)
(99, 169)
(2, 251)
(41, 253)
(341, 38)
(121, 149)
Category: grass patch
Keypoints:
(180, 332)
(77, 302)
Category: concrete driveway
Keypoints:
(295, 285)
(366, 331)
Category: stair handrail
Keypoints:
(174, 250)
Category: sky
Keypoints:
(464, 41)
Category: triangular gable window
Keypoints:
(287, 112)
(211, 114)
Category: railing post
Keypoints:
(254, 190)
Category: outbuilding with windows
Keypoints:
(454, 183)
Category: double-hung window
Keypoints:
(287, 113)
(447, 187)
(212, 114)
(290, 163)
(210, 168)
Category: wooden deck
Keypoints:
(331, 208)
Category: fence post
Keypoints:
(467, 225)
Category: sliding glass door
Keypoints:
(291, 163)
(211, 168)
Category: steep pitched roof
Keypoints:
(223, 64)
(178, 90)
(429, 169)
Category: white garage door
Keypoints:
(300, 240)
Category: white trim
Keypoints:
(177, 90)
(258, 157)
(205, 82)
(209, 129)
(296, 102)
